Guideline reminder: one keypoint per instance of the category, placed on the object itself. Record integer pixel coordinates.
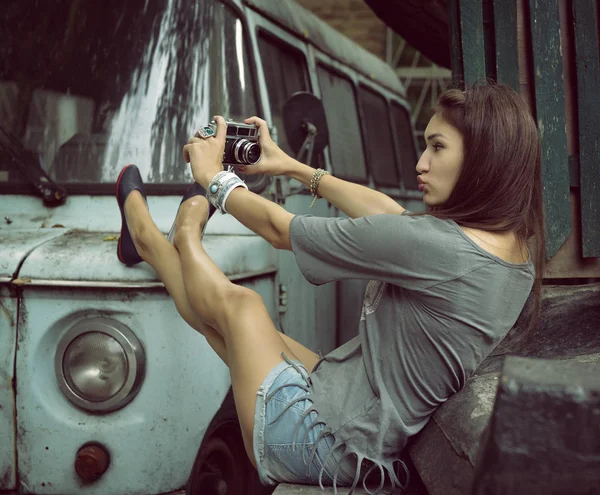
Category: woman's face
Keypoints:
(440, 163)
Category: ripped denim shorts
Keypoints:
(288, 442)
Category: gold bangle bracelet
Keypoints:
(314, 184)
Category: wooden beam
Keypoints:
(507, 52)
(458, 76)
(585, 14)
(550, 111)
(473, 45)
(432, 72)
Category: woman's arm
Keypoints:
(263, 217)
(353, 199)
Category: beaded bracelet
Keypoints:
(314, 184)
(220, 188)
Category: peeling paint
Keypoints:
(8, 315)
(5, 478)
(23, 319)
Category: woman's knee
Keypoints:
(226, 303)
(239, 303)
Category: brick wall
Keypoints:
(354, 18)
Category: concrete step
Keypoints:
(286, 489)
(446, 452)
(415, 487)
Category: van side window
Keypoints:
(132, 100)
(286, 73)
(381, 153)
(406, 146)
(345, 147)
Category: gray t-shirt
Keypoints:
(436, 305)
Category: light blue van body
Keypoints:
(58, 265)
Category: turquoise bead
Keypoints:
(213, 188)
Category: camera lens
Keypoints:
(253, 153)
(245, 151)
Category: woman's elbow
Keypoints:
(280, 230)
(281, 241)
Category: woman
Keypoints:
(445, 287)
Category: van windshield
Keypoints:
(88, 87)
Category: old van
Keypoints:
(104, 389)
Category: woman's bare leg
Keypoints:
(158, 252)
(164, 258)
(254, 346)
(240, 312)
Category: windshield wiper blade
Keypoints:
(52, 194)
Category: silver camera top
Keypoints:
(238, 129)
(241, 143)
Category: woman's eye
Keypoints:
(437, 147)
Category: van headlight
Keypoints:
(100, 365)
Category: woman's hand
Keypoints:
(273, 161)
(205, 156)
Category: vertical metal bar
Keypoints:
(507, 52)
(525, 48)
(473, 45)
(489, 39)
(550, 109)
(585, 13)
(456, 55)
(389, 39)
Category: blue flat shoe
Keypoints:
(129, 180)
(194, 190)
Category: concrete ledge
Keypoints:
(415, 487)
(446, 452)
(543, 433)
(285, 489)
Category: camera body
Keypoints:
(241, 143)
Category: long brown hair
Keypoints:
(499, 188)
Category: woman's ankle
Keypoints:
(186, 234)
(191, 218)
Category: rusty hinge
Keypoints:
(282, 299)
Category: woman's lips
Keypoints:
(422, 184)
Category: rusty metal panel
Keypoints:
(507, 55)
(473, 45)
(97, 214)
(78, 256)
(14, 247)
(154, 439)
(550, 110)
(8, 337)
(306, 25)
(585, 13)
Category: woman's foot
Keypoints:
(198, 192)
(129, 182)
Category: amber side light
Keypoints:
(91, 462)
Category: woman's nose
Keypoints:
(423, 163)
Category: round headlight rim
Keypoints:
(134, 353)
(68, 380)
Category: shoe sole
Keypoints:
(123, 222)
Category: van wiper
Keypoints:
(52, 194)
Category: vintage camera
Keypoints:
(241, 143)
